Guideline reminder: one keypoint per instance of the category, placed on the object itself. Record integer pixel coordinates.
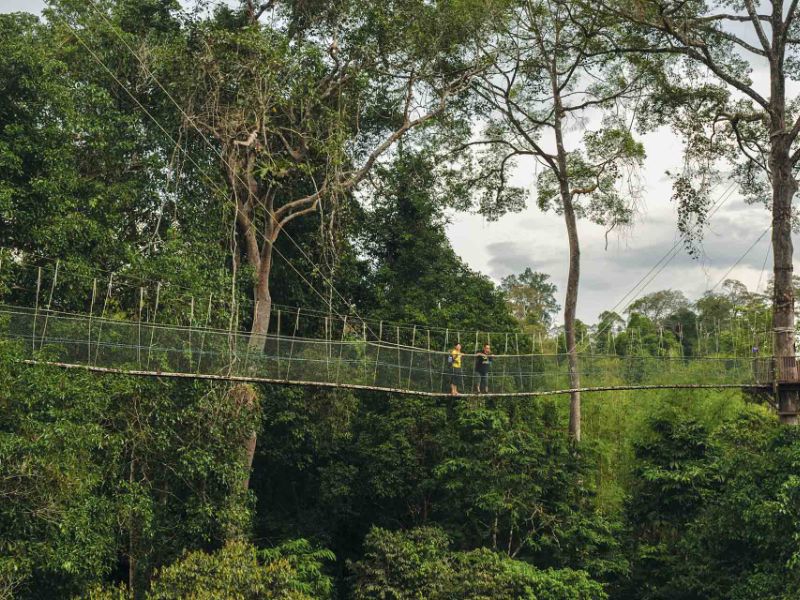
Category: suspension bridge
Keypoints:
(349, 354)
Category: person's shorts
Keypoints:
(456, 377)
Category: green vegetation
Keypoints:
(308, 153)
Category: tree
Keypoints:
(239, 570)
(683, 325)
(295, 111)
(549, 68)
(111, 475)
(77, 178)
(414, 275)
(299, 114)
(709, 510)
(511, 482)
(609, 325)
(656, 306)
(666, 495)
(724, 112)
(714, 309)
(419, 564)
(531, 298)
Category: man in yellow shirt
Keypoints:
(456, 377)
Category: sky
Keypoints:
(34, 6)
(610, 268)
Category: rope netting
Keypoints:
(346, 354)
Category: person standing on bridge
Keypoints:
(456, 377)
(483, 361)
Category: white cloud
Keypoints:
(32, 6)
(538, 240)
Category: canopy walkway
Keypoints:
(350, 355)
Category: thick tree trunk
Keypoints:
(258, 336)
(133, 585)
(262, 310)
(245, 397)
(573, 277)
(783, 189)
(570, 309)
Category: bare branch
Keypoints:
(762, 37)
(283, 222)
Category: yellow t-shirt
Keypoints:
(456, 354)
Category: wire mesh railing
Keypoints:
(346, 357)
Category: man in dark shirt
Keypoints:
(483, 360)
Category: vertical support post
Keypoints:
(191, 333)
(153, 323)
(377, 355)
(441, 366)
(399, 359)
(327, 351)
(505, 351)
(533, 358)
(139, 342)
(341, 348)
(430, 369)
(519, 363)
(699, 349)
(49, 304)
(205, 328)
(291, 347)
(231, 315)
(518, 370)
(411, 360)
(278, 341)
(91, 314)
(36, 308)
(491, 376)
(102, 317)
(366, 347)
(247, 346)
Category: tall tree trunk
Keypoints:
(260, 259)
(245, 396)
(133, 536)
(784, 187)
(783, 190)
(573, 277)
(258, 336)
(570, 309)
(263, 301)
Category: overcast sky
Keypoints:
(15, 5)
(536, 240)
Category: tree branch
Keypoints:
(762, 37)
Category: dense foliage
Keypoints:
(121, 487)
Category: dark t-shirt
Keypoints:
(482, 363)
